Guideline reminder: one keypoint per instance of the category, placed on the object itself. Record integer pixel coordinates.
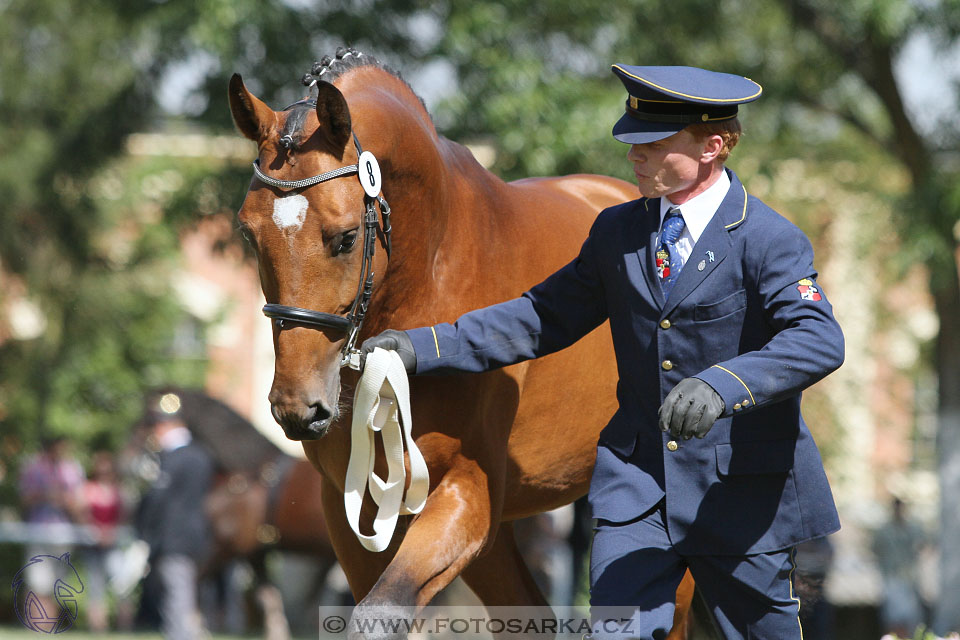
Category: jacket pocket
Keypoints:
(755, 458)
(731, 304)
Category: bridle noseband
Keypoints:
(368, 172)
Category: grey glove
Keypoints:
(690, 409)
(391, 340)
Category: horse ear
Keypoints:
(251, 115)
(333, 114)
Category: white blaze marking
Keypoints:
(289, 212)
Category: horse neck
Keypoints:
(390, 121)
(445, 204)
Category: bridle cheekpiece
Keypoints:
(368, 172)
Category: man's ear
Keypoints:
(712, 146)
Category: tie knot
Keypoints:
(672, 225)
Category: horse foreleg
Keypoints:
(439, 543)
(500, 577)
(275, 625)
(361, 567)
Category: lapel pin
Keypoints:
(710, 255)
(702, 265)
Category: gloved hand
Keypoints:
(391, 340)
(690, 409)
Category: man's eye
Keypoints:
(347, 241)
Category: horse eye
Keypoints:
(347, 241)
(248, 237)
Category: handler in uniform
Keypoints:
(718, 325)
(171, 518)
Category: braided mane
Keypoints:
(329, 69)
(345, 59)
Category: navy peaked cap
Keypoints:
(664, 100)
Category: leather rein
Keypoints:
(368, 172)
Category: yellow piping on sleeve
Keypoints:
(740, 381)
(436, 342)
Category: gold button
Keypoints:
(667, 365)
(672, 445)
(664, 324)
(744, 402)
(736, 407)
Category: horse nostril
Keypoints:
(318, 413)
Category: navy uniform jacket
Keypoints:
(171, 516)
(752, 323)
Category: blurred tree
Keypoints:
(88, 244)
(863, 41)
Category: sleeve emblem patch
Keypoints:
(808, 291)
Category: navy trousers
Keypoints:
(635, 571)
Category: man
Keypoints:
(897, 546)
(718, 325)
(172, 520)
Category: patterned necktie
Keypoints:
(669, 262)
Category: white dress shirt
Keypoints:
(697, 213)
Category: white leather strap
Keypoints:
(382, 403)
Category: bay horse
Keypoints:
(276, 507)
(500, 445)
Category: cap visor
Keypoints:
(632, 131)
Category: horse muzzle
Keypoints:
(311, 423)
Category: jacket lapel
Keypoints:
(646, 229)
(713, 245)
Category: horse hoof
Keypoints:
(381, 622)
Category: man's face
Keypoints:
(668, 167)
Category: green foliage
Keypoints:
(91, 243)
(922, 633)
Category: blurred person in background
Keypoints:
(814, 559)
(51, 494)
(104, 512)
(897, 546)
(172, 521)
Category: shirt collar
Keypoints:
(699, 210)
(175, 438)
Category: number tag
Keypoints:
(369, 172)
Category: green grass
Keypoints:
(20, 633)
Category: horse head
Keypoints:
(321, 245)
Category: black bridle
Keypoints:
(368, 171)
